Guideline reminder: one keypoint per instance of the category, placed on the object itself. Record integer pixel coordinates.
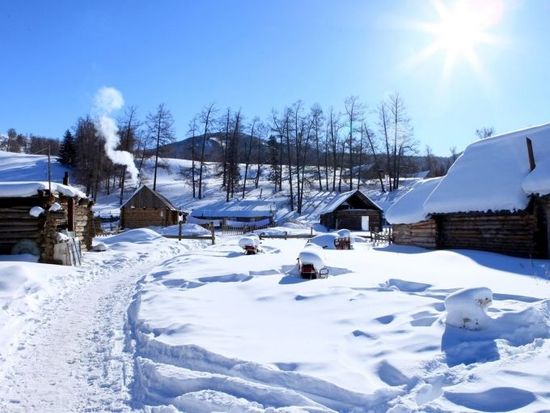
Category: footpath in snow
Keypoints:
(64, 347)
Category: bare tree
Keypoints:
(354, 112)
(485, 132)
(316, 115)
(128, 127)
(160, 127)
(248, 153)
(206, 118)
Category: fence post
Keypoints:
(213, 233)
(179, 231)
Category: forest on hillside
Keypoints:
(303, 147)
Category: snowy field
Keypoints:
(216, 330)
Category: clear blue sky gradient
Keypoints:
(258, 54)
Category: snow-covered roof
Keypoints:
(493, 174)
(163, 200)
(236, 209)
(343, 197)
(410, 207)
(28, 189)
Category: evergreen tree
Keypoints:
(67, 153)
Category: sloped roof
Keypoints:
(246, 208)
(28, 189)
(410, 207)
(153, 194)
(343, 197)
(493, 174)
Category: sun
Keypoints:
(459, 31)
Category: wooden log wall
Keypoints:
(421, 234)
(145, 217)
(351, 219)
(512, 234)
(16, 225)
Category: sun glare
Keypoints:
(461, 28)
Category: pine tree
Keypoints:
(67, 153)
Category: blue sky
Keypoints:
(258, 55)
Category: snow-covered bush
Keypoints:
(467, 308)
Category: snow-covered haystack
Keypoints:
(467, 308)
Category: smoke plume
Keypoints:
(107, 100)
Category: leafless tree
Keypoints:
(206, 119)
(160, 127)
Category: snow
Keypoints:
(186, 229)
(159, 325)
(249, 241)
(409, 208)
(28, 189)
(493, 175)
(55, 207)
(467, 308)
(224, 331)
(235, 209)
(312, 255)
(36, 211)
(338, 200)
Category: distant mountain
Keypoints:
(213, 148)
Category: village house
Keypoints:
(147, 207)
(352, 210)
(49, 220)
(496, 197)
(235, 214)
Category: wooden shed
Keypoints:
(496, 197)
(352, 210)
(37, 216)
(147, 207)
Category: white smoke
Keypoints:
(107, 100)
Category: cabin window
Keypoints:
(161, 213)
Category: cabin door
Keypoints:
(364, 223)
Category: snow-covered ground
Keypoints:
(217, 330)
(158, 325)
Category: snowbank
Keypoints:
(186, 229)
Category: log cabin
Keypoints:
(495, 197)
(34, 214)
(147, 207)
(352, 210)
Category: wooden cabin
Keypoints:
(496, 197)
(352, 210)
(56, 209)
(147, 207)
(239, 213)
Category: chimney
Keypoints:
(532, 163)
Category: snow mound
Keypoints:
(467, 308)
(325, 240)
(249, 241)
(140, 235)
(311, 255)
(186, 229)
